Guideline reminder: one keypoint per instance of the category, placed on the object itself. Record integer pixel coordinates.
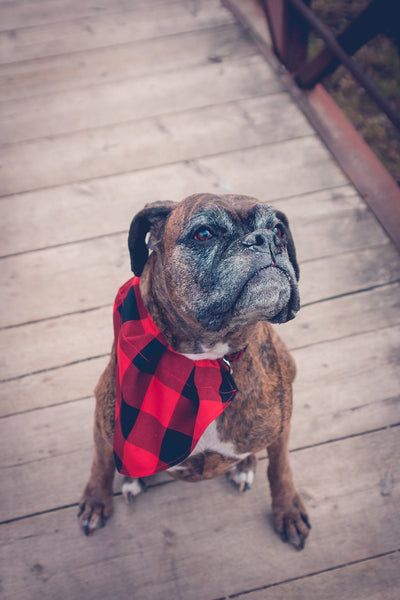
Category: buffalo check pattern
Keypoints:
(165, 401)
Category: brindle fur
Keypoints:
(259, 416)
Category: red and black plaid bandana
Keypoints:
(165, 401)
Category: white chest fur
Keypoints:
(210, 441)
(217, 351)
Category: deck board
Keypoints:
(345, 408)
(135, 98)
(142, 144)
(181, 545)
(107, 106)
(103, 260)
(84, 27)
(113, 63)
(346, 314)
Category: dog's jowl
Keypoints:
(198, 380)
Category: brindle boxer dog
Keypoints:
(220, 270)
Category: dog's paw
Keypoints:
(132, 488)
(242, 474)
(94, 510)
(291, 522)
(243, 481)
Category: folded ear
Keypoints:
(290, 243)
(151, 219)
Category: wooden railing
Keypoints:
(290, 22)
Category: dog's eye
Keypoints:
(203, 234)
(278, 230)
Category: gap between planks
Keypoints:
(182, 509)
(89, 238)
(91, 31)
(169, 481)
(285, 585)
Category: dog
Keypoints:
(212, 274)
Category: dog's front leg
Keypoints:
(290, 516)
(96, 504)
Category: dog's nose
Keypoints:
(259, 239)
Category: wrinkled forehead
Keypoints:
(225, 211)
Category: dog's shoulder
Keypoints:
(274, 352)
(263, 405)
(267, 356)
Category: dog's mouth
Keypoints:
(267, 286)
(263, 296)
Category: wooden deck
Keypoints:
(108, 105)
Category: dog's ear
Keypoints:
(151, 219)
(290, 243)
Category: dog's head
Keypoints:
(223, 261)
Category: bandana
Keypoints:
(164, 400)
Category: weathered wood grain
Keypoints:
(136, 98)
(112, 105)
(105, 206)
(83, 276)
(89, 334)
(343, 389)
(343, 316)
(176, 533)
(25, 13)
(375, 579)
(51, 387)
(46, 32)
(150, 142)
(349, 272)
(337, 393)
(346, 386)
(70, 372)
(122, 61)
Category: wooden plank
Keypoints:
(343, 316)
(172, 532)
(116, 205)
(350, 272)
(40, 12)
(115, 63)
(86, 275)
(315, 324)
(93, 30)
(288, 170)
(375, 579)
(48, 433)
(150, 142)
(55, 383)
(88, 334)
(361, 393)
(48, 388)
(346, 386)
(133, 99)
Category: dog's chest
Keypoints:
(210, 457)
(210, 441)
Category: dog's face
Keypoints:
(224, 261)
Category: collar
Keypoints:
(230, 358)
(164, 400)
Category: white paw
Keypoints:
(132, 488)
(242, 479)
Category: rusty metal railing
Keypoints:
(290, 22)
